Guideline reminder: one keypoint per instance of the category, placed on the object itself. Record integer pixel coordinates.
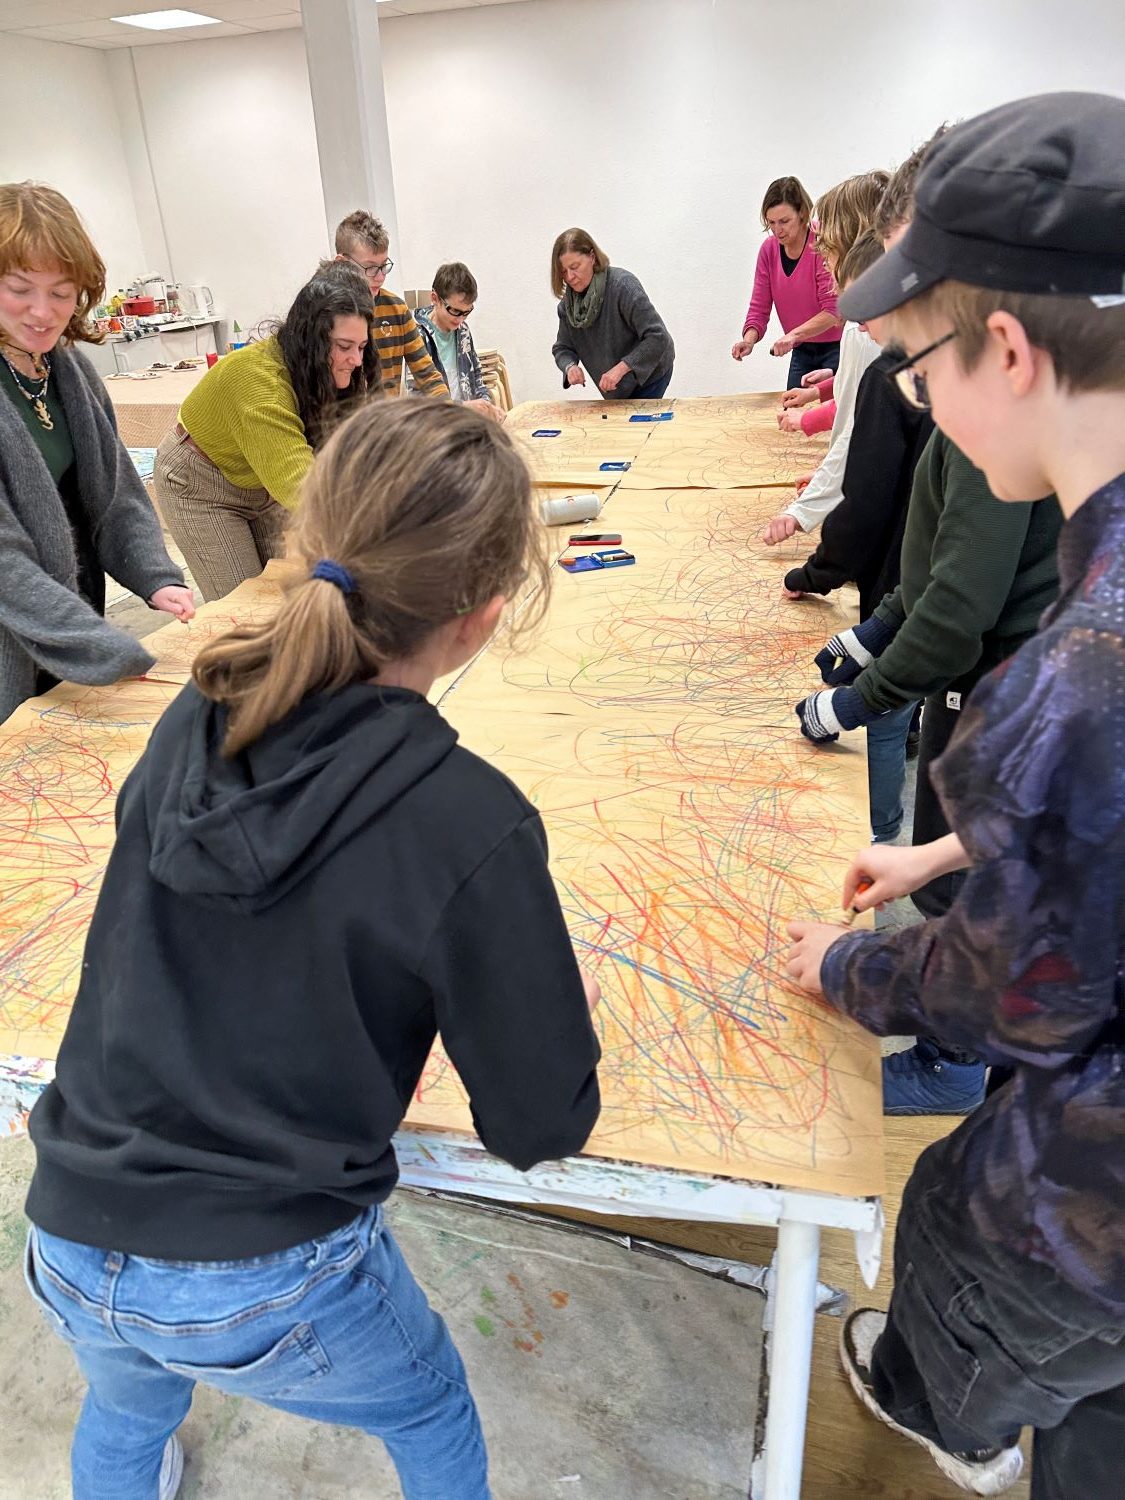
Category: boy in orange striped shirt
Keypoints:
(362, 239)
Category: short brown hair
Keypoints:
(428, 505)
(846, 210)
(861, 257)
(1086, 343)
(897, 204)
(39, 228)
(788, 190)
(362, 228)
(574, 242)
(455, 277)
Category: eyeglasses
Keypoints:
(911, 382)
(455, 312)
(372, 271)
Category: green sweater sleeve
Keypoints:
(959, 594)
(891, 611)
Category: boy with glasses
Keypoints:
(444, 327)
(976, 574)
(363, 240)
(1007, 294)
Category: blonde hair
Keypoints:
(1086, 343)
(39, 228)
(428, 506)
(574, 242)
(361, 228)
(861, 257)
(845, 211)
(790, 191)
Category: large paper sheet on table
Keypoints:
(63, 759)
(651, 722)
(679, 848)
(697, 623)
(652, 725)
(723, 442)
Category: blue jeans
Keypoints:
(336, 1330)
(886, 771)
(655, 388)
(808, 357)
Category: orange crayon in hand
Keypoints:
(864, 885)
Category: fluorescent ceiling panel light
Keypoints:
(166, 20)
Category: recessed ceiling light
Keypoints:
(166, 20)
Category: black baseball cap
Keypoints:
(1029, 197)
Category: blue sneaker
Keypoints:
(921, 1081)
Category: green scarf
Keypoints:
(582, 310)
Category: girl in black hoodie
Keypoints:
(311, 879)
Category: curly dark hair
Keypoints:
(336, 291)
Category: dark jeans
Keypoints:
(655, 388)
(808, 357)
(934, 900)
(980, 1343)
(938, 723)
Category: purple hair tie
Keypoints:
(334, 572)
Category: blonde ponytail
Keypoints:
(416, 512)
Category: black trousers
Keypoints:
(979, 1344)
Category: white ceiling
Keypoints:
(87, 23)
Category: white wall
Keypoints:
(61, 127)
(654, 123)
(230, 136)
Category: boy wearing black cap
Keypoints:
(1008, 296)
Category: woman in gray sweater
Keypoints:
(607, 323)
(72, 508)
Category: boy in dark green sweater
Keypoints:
(977, 573)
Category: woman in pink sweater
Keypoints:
(792, 278)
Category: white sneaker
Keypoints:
(989, 1472)
(171, 1468)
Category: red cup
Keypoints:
(212, 360)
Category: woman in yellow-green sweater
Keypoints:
(230, 471)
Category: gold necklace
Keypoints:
(37, 398)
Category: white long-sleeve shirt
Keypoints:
(824, 490)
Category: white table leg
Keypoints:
(798, 1254)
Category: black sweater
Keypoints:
(861, 541)
(277, 941)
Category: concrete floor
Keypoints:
(601, 1373)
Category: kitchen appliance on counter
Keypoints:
(197, 301)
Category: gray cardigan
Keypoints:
(45, 624)
(628, 328)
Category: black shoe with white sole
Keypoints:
(989, 1472)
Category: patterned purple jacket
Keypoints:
(1028, 968)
